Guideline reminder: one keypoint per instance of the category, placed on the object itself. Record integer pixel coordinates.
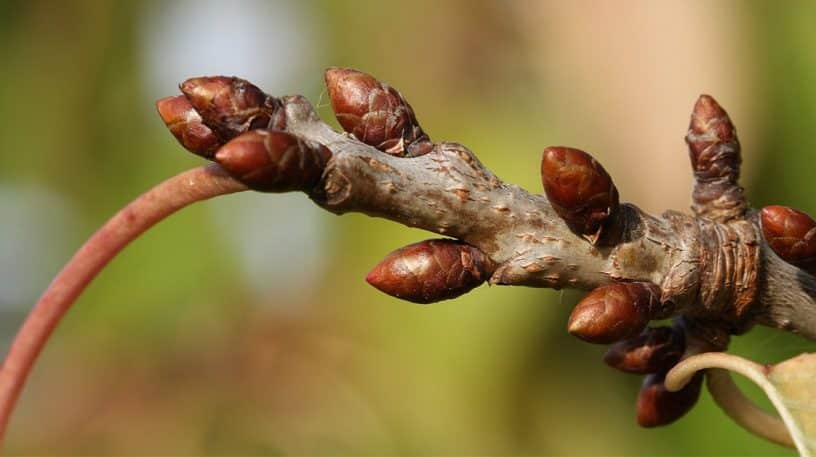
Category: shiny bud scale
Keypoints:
(186, 125)
(615, 311)
(791, 234)
(430, 271)
(714, 151)
(231, 106)
(375, 113)
(580, 190)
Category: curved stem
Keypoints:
(728, 396)
(142, 213)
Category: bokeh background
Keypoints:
(243, 326)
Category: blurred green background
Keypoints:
(243, 326)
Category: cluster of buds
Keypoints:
(231, 121)
(234, 123)
(583, 194)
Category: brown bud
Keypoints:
(712, 140)
(273, 161)
(580, 190)
(430, 271)
(715, 158)
(375, 113)
(186, 125)
(656, 406)
(653, 350)
(230, 105)
(791, 234)
(615, 311)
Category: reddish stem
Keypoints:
(139, 215)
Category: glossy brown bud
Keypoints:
(430, 271)
(230, 106)
(615, 311)
(375, 113)
(580, 190)
(273, 161)
(791, 234)
(186, 125)
(712, 140)
(656, 406)
(653, 350)
(714, 151)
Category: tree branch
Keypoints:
(719, 271)
(448, 191)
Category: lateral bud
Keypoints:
(791, 234)
(654, 350)
(714, 151)
(431, 270)
(656, 406)
(274, 161)
(580, 191)
(231, 106)
(375, 113)
(186, 125)
(616, 311)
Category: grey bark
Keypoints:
(715, 272)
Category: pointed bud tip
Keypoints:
(707, 107)
(333, 75)
(430, 271)
(173, 109)
(706, 110)
(614, 311)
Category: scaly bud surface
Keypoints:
(230, 106)
(791, 234)
(186, 125)
(615, 311)
(714, 151)
(375, 113)
(580, 190)
(653, 350)
(273, 161)
(430, 271)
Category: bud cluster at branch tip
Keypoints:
(615, 311)
(580, 191)
(216, 109)
(431, 270)
(375, 113)
(791, 234)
